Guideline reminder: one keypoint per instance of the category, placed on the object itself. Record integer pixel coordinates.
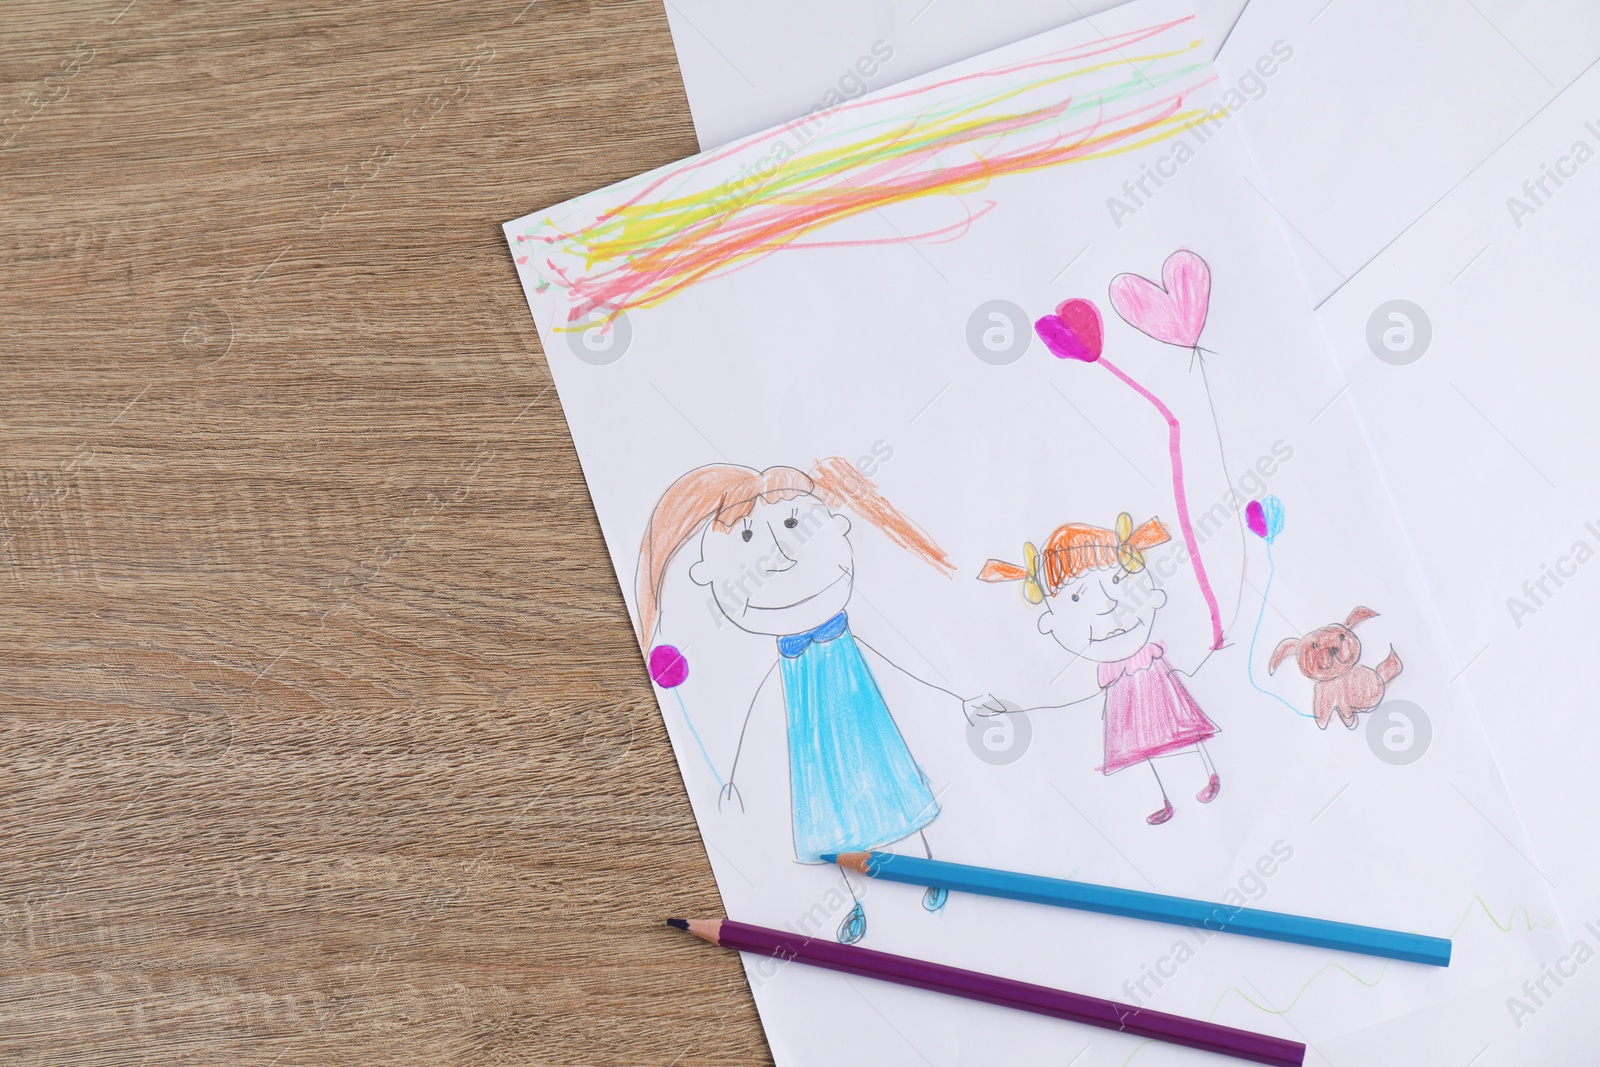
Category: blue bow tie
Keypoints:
(791, 646)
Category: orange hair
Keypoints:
(1074, 550)
(724, 494)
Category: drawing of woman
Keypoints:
(774, 550)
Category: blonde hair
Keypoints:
(724, 494)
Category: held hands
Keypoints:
(983, 706)
(731, 798)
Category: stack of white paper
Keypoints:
(804, 379)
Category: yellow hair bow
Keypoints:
(1129, 557)
(1076, 549)
(1032, 588)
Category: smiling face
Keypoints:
(785, 568)
(1328, 653)
(1102, 616)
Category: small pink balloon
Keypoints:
(1174, 311)
(1075, 331)
(1256, 516)
(668, 668)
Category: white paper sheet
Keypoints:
(773, 339)
(1387, 106)
(747, 66)
(1484, 418)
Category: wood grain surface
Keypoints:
(325, 739)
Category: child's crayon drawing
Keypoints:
(1265, 519)
(944, 138)
(774, 288)
(669, 669)
(774, 550)
(1093, 609)
(1331, 657)
(1076, 332)
(1174, 313)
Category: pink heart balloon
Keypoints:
(1074, 331)
(1175, 310)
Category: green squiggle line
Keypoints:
(1275, 1011)
(1510, 917)
(1303, 989)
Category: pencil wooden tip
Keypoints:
(705, 929)
(855, 861)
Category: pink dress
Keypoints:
(1148, 711)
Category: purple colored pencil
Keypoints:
(1024, 996)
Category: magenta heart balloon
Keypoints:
(1256, 516)
(1175, 310)
(1074, 331)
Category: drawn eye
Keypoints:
(746, 534)
(1074, 598)
(791, 522)
(1116, 579)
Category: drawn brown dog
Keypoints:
(1330, 657)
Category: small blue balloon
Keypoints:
(1272, 511)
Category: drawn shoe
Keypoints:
(854, 927)
(1209, 793)
(1161, 816)
(934, 898)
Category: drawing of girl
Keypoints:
(1093, 610)
(774, 550)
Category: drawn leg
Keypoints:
(1213, 784)
(854, 926)
(935, 897)
(1157, 818)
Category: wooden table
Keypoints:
(325, 737)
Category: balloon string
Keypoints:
(1180, 497)
(696, 735)
(1227, 477)
(1250, 663)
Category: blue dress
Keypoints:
(853, 784)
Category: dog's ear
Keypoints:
(1359, 615)
(1289, 646)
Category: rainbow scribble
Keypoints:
(642, 242)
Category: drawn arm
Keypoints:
(1192, 671)
(1074, 702)
(983, 704)
(731, 791)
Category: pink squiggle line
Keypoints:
(1180, 496)
(942, 236)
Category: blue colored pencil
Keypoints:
(1156, 907)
